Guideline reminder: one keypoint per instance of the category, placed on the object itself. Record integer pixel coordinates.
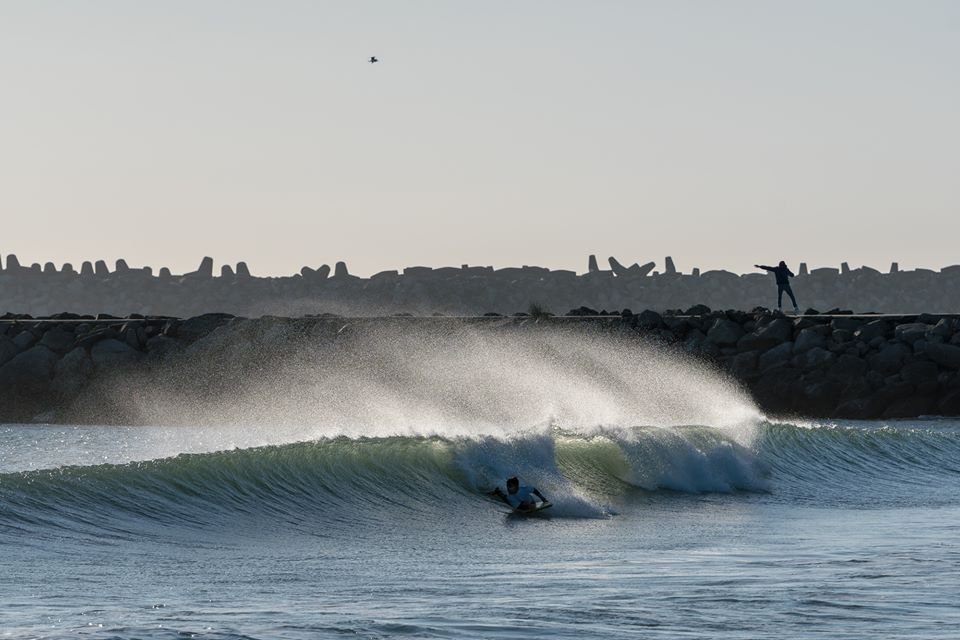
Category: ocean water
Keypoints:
(344, 494)
(779, 530)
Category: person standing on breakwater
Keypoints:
(783, 274)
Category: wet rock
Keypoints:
(873, 330)
(812, 338)
(919, 371)
(946, 355)
(911, 332)
(744, 365)
(72, 373)
(846, 324)
(911, 407)
(768, 336)
(817, 396)
(890, 358)
(111, 353)
(58, 340)
(7, 349)
(698, 310)
(724, 332)
(29, 372)
(949, 405)
(194, 328)
(649, 320)
(814, 358)
(162, 347)
(779, 354)
(24, 340)
(87, 340)
(848, 366)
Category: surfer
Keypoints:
(521, 498)
(783, 274)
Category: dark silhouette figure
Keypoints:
(783, 274)
(373, 59)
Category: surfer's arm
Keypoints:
(764, 267)
(539, 495)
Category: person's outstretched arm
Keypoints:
(763, 266)
(539, 495)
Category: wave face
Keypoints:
(348, 482)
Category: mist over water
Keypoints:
(447, 379)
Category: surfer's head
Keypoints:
(782, 263)
(513, 485)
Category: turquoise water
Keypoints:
(758, 530)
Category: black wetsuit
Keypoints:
(783, 275)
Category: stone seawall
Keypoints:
(466, 290)
(97, 370)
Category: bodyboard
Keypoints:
(537, 509)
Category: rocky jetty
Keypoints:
(71, 368)
(464, 290)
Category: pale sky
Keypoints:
(491, 133)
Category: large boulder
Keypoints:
(911, 332)
(112, 353)
(874, 329)
(58, 340)
(889, 360)
(778, 355)
(7, 349)
(810, 338)
(911, 407)
(29, 372)
(90, 338)
(886, 396)
(919, 371)
(744, 365)
(949, 404)
(849, 366)
(816, 396)
(846, 324)
(25, 384)
(724, 332)
(72, 373)
(946, 355)
(648, 319)
(162, 347)
(194, 328)
(814, 358)
(768, 336)
(24, 340)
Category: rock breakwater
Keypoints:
(465, 290)
(70, 368)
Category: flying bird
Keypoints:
(373, 59)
